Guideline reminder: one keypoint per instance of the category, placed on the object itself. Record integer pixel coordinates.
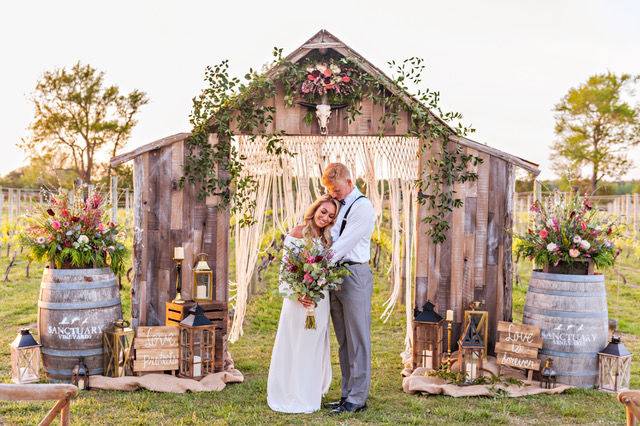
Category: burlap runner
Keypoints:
(168, 383)
(420, 382)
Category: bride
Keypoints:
(300, 370)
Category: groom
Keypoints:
(351, 305)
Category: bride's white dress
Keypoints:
(300, 370)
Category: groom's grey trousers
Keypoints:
(351, 316)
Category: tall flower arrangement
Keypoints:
(566, 229)
(73, 232)
(325, 78)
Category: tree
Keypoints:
(596, 126)
(80, 119)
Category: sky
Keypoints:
(502, 64)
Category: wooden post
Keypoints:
(1, 205)
(19, 204)
(537, 190)
(635, 212)
(114, 199)
(10, 202)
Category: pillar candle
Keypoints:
(178, 253)
(449, 315)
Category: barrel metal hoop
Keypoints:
(80, 305)
(562, 354)
(576, 373)
(79, 285)
(565, 314)
(92, 371)
(568, 278)
(72, 352)
(565, 293)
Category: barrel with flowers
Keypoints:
(79, 295)
(569, 240)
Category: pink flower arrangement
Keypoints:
(326, 78)
(568, 230)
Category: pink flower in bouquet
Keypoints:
(583, 226)
(64, 213)
(555, 224)
(574, 252)
(291, 267)
(100, 227)
(552, 247)
(544, 234)
(308, 278)
(327, 72)
(55, 224)
(577, 239)
(311, 259)
(346, 79)
(310, 77)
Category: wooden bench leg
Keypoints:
(65, 415)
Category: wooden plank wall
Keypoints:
(474, 263)
(167, 216)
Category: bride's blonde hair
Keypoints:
(307, 230)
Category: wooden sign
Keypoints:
(156, 349)
(518, 346)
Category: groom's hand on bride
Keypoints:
(306, 302)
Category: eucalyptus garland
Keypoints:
(227, 100)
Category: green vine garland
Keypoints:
(227, 102)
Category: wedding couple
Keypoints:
(300, 371)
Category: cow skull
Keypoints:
(323, 112)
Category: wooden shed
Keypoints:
(474, 263)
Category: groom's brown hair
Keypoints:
(334, 172)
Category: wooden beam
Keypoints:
(36, 392)
(123, 158)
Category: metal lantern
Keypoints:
(614, 363)
(25, 358)
(202, 280)
(427, 337)
(548, 375)
(481, 320)
(197, 344)
(470, 353)
(80, 375)
(116, 343)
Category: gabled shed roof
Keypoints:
(325, 40)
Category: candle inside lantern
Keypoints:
(427, 359)
(178, 253)
(449, 315)
(201, 292)
(197, 366)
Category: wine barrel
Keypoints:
(75, 305)
(571, 311)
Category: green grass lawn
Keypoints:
(246, 403)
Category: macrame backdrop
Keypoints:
(286, 185)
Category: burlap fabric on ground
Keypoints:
(168, 383)
(420, 382)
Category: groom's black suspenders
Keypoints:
(344, 219)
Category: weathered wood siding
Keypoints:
(474, 263)
(167, 216)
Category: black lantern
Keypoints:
(80, 375)
(548, 375)
(470, 353)
(25, 358)
(427, 337)
(197, 342)
(614, 364)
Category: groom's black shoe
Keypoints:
(349, 407)
(335, 404)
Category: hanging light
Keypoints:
(25, 358)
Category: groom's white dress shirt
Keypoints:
(355, 242)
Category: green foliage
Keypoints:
(596, 126)
(73, 232)
(217, 168)
(78, 119)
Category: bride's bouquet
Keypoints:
(308, 271)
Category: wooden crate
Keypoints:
(218, 314)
